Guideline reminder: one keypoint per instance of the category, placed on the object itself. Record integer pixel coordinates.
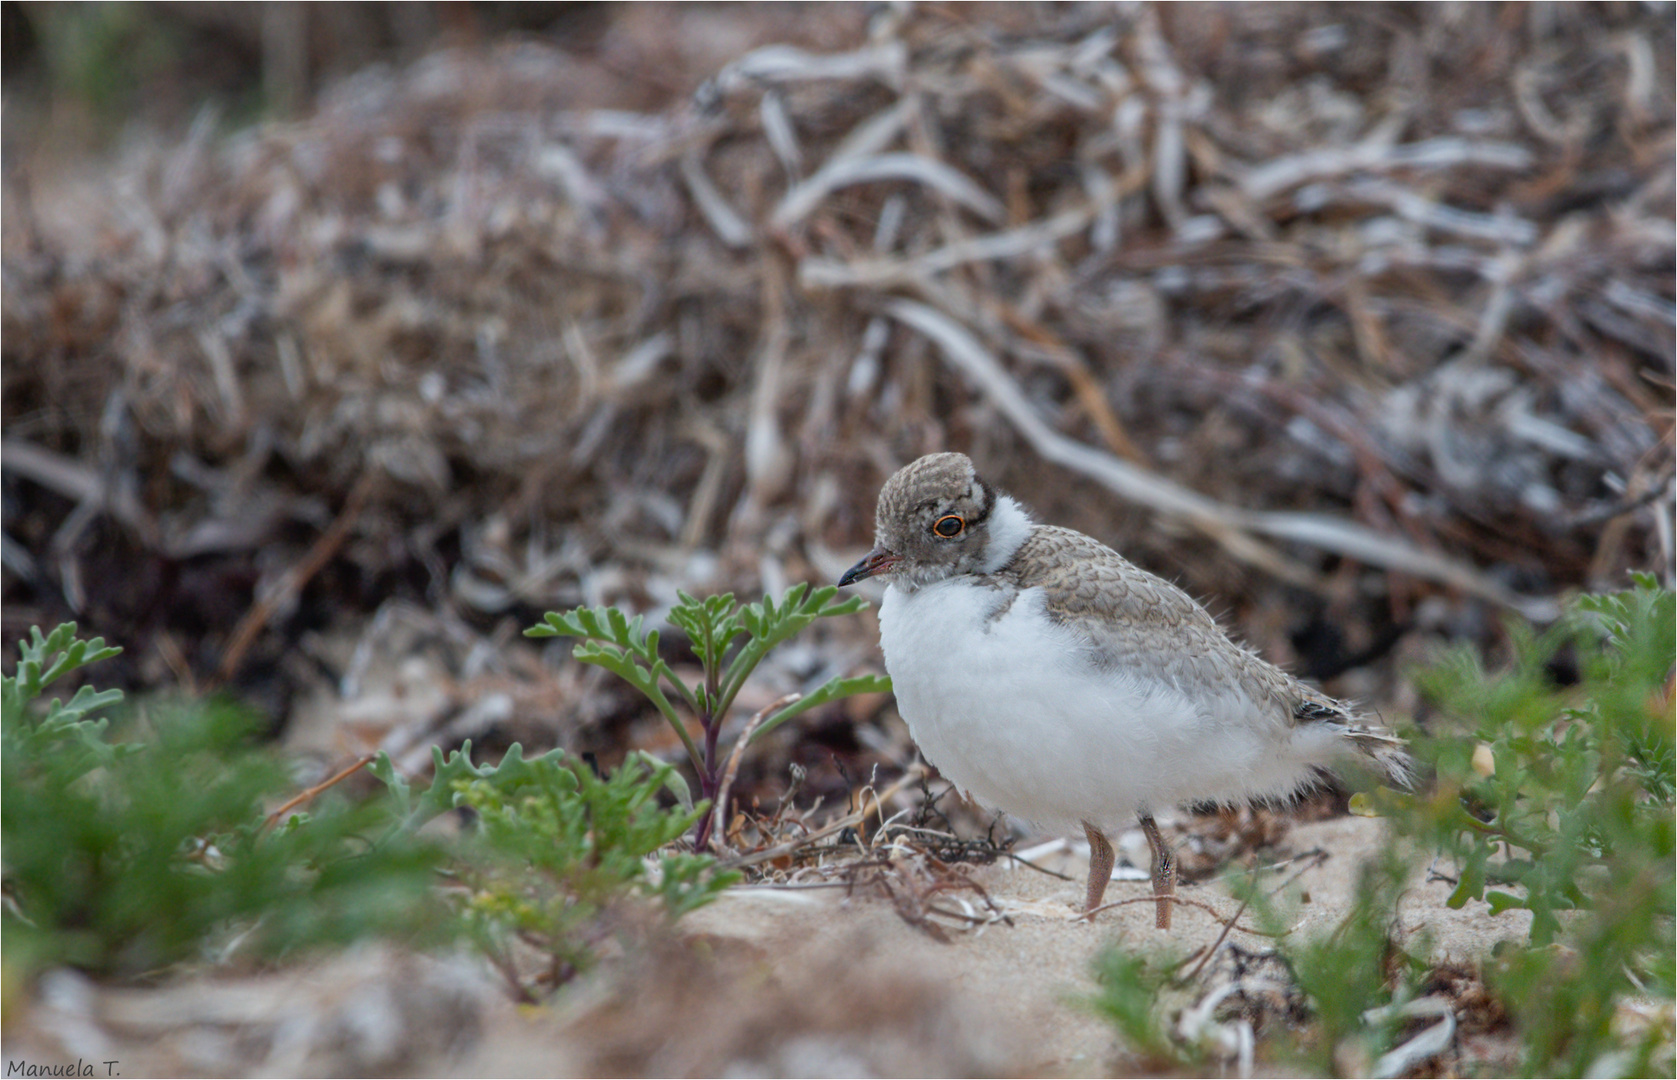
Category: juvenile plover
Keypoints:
(1049, 677)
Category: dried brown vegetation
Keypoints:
(1358, 319)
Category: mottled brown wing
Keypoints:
(1134, 619)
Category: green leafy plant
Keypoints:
(1133, 989)
(557, 852)
(730, 641)
(125, 856)
(1347, 979)
(67, 729)
(1558, 801)
(1550, 799)
(1351, 976)
(122, 857)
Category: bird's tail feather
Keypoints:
(1386, 751)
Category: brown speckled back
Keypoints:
(1132, 618)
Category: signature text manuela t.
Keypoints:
(22, 1067)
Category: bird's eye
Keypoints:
(949, 526)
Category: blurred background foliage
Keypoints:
(97, 67)
(86, 72)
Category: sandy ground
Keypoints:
(764, 982)
(1026, 980)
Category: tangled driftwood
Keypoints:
(1315, 291)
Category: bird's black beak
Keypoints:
(879, 561)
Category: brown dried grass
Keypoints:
(1376, 300)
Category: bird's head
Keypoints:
(938, 518)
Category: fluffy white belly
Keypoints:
(1014, 711)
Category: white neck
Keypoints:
(1009, 527)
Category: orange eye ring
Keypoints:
(949, 526)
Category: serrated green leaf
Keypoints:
(832, 690)
(1472, 884)
(43, 660)
(383, 769)
(668, 776)
(848, 606)
(86, 700)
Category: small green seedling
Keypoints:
(67, 729)
(730, 641)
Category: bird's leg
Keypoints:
(1164, 872)
(1100, 866)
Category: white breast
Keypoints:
(1014, 711)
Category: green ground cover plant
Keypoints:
(1551, 796)
(1557, 800)
(556, 853)
(126, 855)
(138, 839)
